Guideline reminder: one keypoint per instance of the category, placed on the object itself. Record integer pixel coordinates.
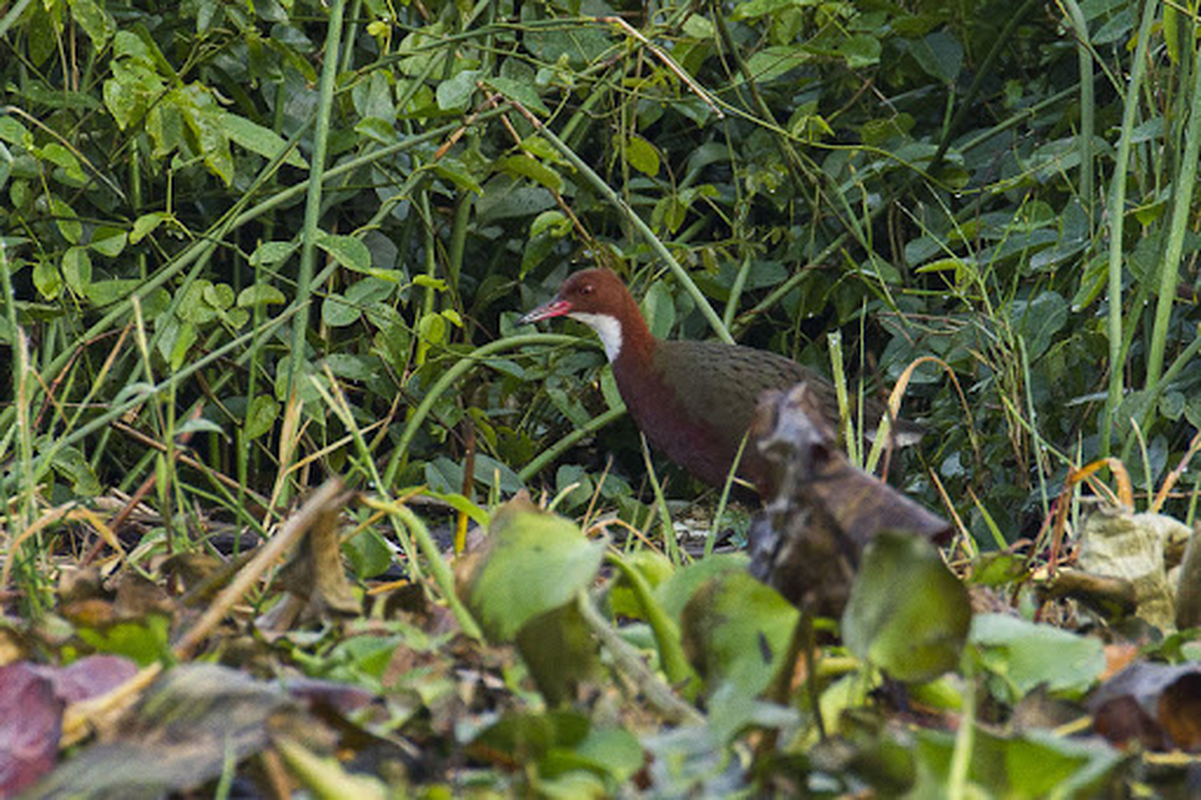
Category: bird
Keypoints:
(694, 400)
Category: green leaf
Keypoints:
(659, 307)
(13, 132)
(376, 129)
(60, 156)
(70, 461)
(533, 562)
(257, 139)
(260, 294)
(642, 155)
(526, 167)
(521, 91)
(185, 338)
(338, 312)
(432, 329)
(77, 270)
(261, 416)
(1023, 655)
(219, 295)
(736, 632)
(940, 55)
(97, 23)
(454, 94)
(47, 279)
(454, 171)
(430, 282)
(553, 223)
(107, 292)
(67, 220)
(109, 241)
(271, 253)
(193, 307)
(349, 251)
(907, 613)
(146, 224)
(760, 8)
(144, 641)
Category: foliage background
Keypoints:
(924, 179)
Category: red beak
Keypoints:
(555, 308)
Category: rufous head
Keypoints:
(597, 298)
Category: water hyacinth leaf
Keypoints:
(907, 614)
(533, 562)
(1023, 655)
(736, 632)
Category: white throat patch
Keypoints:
(607, 328)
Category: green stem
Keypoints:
(554, 451)
(312, 211)
(464, 365)
(1117, 216)
(1182, 200)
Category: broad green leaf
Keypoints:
(554, 223)
(219, 295)
(261, 416)
(379, 130)
(107, 292)
(144, 640)
(759, 8)
(260, 294)
(338, 312)
(77, 269)
(193, 307)
(642, 155)
(257, 139)
(1023, 655)
(271, 253)
(145, 225)
(523, 92)
(533, 562)
(660, 309)
(526, 167)
(13, 132)
(432, 329)
(67, 220)
(772, 62)
(47, 279)
(60, 156)
(108, 241)
(455, 93)
(736, 632)
(1023, 766)
(348, 251)
(97, 23)
(860, 51)
(455, 172)
(907, 613)
(940, 55)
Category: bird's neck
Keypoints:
(628, 342)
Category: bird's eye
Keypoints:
(586, 288)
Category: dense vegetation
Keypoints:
(250, 246)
